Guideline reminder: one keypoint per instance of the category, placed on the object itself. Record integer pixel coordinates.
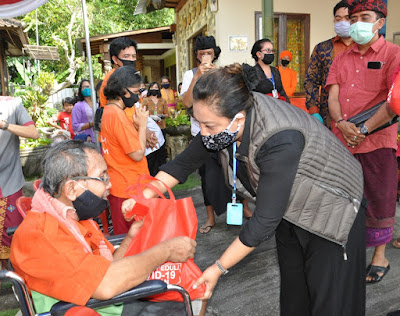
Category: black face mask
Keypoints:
(268, 59)
(141, 90)
(126, 62)
(130, 102)
(165, 85)
(154, 92)
(285, 62)
(89, 205)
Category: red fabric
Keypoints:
(164, 219)
(361, 88)
(24, 205)
(66, 122)
(120, 225)
(29, 123)
(380, 186)
(9, 217)
(394, 94)
(81, 311)
(367, 5)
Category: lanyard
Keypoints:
(272, 79)
(234, 168)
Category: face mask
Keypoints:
(141, 90)
(268, 59)
(126, 62)
(285, 62)
(86, 92)
(154, 92)
(342, 29)
(222, 140)
(165, 85)
(361, 32)
(130, 102)
(89, 205)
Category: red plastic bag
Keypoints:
(163, 219)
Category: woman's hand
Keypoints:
(136, 226)
(127, 205)
(210, 276)
(140, 117)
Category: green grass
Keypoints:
(192, 182)
(10, 312)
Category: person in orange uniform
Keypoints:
(67, 257)
(288, 76)
(123, 145)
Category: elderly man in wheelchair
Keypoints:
(60, 251)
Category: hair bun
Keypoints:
(249, 77)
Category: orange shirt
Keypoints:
(289, 80)
(103, 99)
(119, 138)
(54, 262)
(339, 46)
(168, 95)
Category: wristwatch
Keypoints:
(221, 268)
(5, 127)
(363, 129)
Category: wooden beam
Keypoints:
(180, 5)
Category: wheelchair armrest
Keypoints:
(143, 290)
(116, 239)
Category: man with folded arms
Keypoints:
(359, 79)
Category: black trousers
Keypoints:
(315, 278)
(156, 159)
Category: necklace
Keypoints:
(117, 105)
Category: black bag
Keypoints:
(97, 118)
(364, 116)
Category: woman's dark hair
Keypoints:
(80, 97)
(159, 88)
(120, 81)
(339, 5)
(257, 47)
(224, 90)
(69, 100)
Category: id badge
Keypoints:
(234, 214)
(275, 93)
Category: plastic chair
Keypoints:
(144, 290)
(36, 184)
(24, 205)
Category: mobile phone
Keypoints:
(375, 65)
(206, 59)
(234, 214)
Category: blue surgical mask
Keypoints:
(86, 92)
(221, 140)
(361, 32)
(342, 29)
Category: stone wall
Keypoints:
(194, 16)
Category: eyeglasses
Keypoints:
(268, 51)
(105, 179)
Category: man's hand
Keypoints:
(202, 69)
(210, 276)
(126, 206)
(180, 248)
(351, 133)
(151, 139)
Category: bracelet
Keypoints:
(338, 121)
(5, 127)
(221, 268)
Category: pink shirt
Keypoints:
(361, 88)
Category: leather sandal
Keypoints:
(373, 273)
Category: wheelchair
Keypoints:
(142, 291)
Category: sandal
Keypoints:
(205, 229)
(373, 273)
(396, 243)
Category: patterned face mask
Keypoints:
(221, 140)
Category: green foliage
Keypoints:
(104, 16)
(30, 143)
(181, 119)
